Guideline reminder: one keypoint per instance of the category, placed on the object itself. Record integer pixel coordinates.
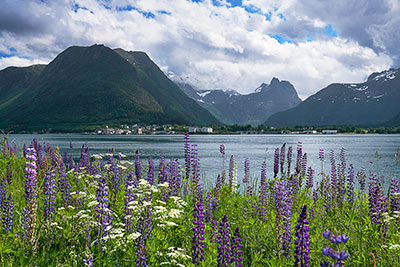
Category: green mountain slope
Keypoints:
(169, 95)
(93, 86)
(14, 81)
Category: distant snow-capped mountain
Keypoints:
(231, 107)
(372, 102)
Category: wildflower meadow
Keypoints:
(111, 210)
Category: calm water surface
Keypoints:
(375, 152)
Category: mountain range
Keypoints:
(90, 87)
(231, 107)
(374, 102)
(94, 86)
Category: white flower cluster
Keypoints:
(175, 255)
(166, 216)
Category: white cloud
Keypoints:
(18, 62)
(210, 46)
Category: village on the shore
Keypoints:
(178, 129)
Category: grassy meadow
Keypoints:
(109, 210)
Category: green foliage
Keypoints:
(62, 243)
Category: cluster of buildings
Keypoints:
(126, 130)
(151, 129)
(200, 130)
(313, 132)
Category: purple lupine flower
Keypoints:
(246, 179)
(187, 155)
(84, 159)
(88, 259)
(263, 193)
(231, 169)
(341, 175)
(279, 200)
(222, 151)
(310, 178)
(254, 208)
(302, 243)
(64, 185)
(276, 162)
(215, 204)
(394, 191)
(4, 218)
(236, 249)
(304, 164)
(342, 157)
(198, 234)
(174, 177)
(104, 214)
(282, 157)
(294, 184)
(223, 258)
(218, 186)
(299, 156)
(377, 201)
(321, 155)
(88, 256)
(150, 173)
(3, 192)
(195, 171)
(49, 190)
(162, 170)
(115, 180)
(8, 218)
(71, 146)
(287, 216)
(361, 178)
(9, 173)
(334, 181)
(128, 198)
(138, 166)
(30, 196)
(337, 256)
(141, 254)
(289, 158)
(350, 185)
(327, 196)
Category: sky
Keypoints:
(216, 44)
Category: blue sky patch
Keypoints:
(76, 7)
(235, 2)
(163, 12)
(148, 15)
(328, 30)
(11, 53)
(280, 38)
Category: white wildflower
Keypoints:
(134, 236)
(170, 224)
(93, 203)
(165, 184)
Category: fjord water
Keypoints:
(375, 152)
